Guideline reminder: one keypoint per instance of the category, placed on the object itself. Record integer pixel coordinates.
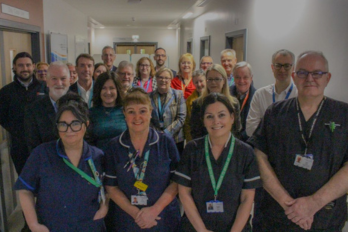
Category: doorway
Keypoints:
(135, 47)
(205, 46)
(237, 41)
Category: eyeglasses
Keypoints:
(214, 79)
(315, 75)
(41, 71)
(186, 63)
(163, 56)
(75, 126)
(206, 63)
(163, 78)
(279, 66)
(144, 65)
(125, 74)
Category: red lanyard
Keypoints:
(244, 102)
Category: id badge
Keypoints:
(215, 207)
(138, 200)
(305, 162)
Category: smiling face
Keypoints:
(228, 61)
(70, 137)
(160, 57)
(217, 120)
(282, 74)
(84, 69)
(126, 77)
(206, 63)
(137, 117)
(108, 57)
(243, 79)
(24, 69)
(41, 72)
(199, 82)
(186, 66)
(310, 87)
(73, 74)
(144, 68)
(58, 82)
(215, 81)
(163, 82)
(108, 94)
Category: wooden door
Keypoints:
(125, 49)
(146, 49)
(238, 46)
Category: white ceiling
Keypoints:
(147, 13)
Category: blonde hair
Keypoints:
(225, 88)
(187, 56)
(162, 70)
(136, 95)
(152, 68)
(38, 64)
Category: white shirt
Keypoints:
(86, 95)
(262, 99)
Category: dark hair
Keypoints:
(98, 86)
(216, 97)
(74, 103)
(160, 49)
(136, 95)
(22, 55)
(84, 55)
(97, 65)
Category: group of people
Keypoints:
(123, 149)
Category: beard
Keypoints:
(24, 78)
(56, 94)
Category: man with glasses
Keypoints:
(39, 121)
(160, 58)
(302, 149)
(206, 62)
(243, 89)
(283, 88)
(108, 56)
(125, 76)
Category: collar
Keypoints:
(54, 104)
(230, 77)
(242, 96)
(26, 85)
(86, 154)
(82, 89)
(125, 140)
(286, 90)
(228, 140)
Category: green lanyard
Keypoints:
(210, 168)
(140, 177)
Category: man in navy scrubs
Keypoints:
(302, 149)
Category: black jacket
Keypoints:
(14, 97)
(39, 123)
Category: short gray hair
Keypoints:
(198, 73)
(242, 64)
(233, 52)
(205, 57)
(317, 53)
(283, 52)
(123, 64)
(108, 47)
(58, 64)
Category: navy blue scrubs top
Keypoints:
(65, 200)
(162, 162)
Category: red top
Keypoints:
(177, 83)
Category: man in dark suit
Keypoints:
(243, 90)
(39, 121)
(108, 56)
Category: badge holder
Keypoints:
(305, 162)
(140, 198)
(215, 206)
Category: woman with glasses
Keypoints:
(169, 108)
(99, 68)
(139, 166)
(65, 176)
(106, 115)
(218, 174)
(199, 81)
(183, 80)
(145, 71)
(216, 83)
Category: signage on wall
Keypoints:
(57, 47)
(6, 9)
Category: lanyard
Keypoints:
(160, 110)
(140, 177)
(287, 95)
(90, 95)
(147, 86)
(210, 168)
(231, 81)
(244, 102)
(96, 181)
(313, 123)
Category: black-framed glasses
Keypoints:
(75, 126)
(315, 75)
(164, 78)
(214, 79)
(286, 66)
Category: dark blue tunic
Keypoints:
(162, 161)
(65, 201)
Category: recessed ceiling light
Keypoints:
(187, 15)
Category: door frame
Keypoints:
(203, 40)
(238, 33)
(135, 44)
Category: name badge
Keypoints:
(305, 162)
(138, 200)
(215, 207)
(140, 185)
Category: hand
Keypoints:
(147, 217)
(302, 208)
(101, 213)
(305, 223)
(38, 228)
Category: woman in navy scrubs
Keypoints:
(218, 174)
(139, 166)
(64, 177)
